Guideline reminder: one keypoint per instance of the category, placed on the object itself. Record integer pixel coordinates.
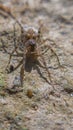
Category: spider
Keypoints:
(29, 51)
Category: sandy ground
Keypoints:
(48, 109)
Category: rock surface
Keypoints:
(49, 108)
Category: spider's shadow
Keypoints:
(34, 65)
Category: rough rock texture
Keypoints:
(48, 108)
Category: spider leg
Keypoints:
(17, 65)
(22, 75)
(18, 54)
(40, 64)
(48, 72)
(49, 47)
(3, 46)
(37, 53)
(45, 66)
(10, 58)
(55, 55)
(11, 53)
(7, 52)
(41, 75)
(40, 54)
(48, 39)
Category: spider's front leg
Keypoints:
(53, 51)
(49, 47)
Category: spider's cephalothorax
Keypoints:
(30, 46)
(28, 32)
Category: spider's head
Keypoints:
(30, 32)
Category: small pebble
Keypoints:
(71, 94)
(29, 93)
(17, 81)
(34, 106)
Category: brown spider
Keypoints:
(29, 50)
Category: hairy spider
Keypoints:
(29, 50)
